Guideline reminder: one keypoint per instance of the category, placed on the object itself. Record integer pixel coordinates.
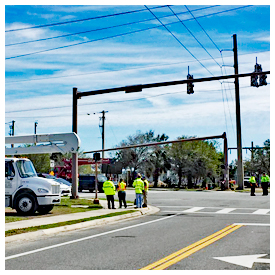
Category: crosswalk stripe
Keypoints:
(261, 211)
(193, 209)
(226, 210)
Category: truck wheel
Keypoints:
(25, 204)
(44, 209)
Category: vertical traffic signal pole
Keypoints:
(74, 155)
(103, 132)
(225, 153)
(238, 117)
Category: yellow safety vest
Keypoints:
(121, 186)
(252, 180)
(146, 185)
(139, 185)
(109, 188)
(265, 179)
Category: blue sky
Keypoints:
(113, 51)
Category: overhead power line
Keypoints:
(177, 39)
(80, 20)
(113, 36)
(109, 102)
(194, 36)
(203, 28)
(119, 70)
(100, 29)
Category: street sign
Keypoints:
(52, 163)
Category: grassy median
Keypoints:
(66, 206)
(53, 225)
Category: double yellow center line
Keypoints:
(187, 251)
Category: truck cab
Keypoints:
(25, 191)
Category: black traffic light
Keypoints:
(190, 85)
(262, 80)
(96, 156)
(254, 81)
(258, 68)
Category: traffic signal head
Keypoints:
(190, 85)
(258, 68)
(262, 80)
(96, 156)
(254, 81)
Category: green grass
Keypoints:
(36, 228)
(65, 207)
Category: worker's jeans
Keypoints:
(139, 200)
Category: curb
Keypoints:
(98, 222)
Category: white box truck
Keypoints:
(24, 190)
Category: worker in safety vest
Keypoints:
(109, 190)
(264, 182)
(145, 191)
(138, 184)
(253, 184)
(121, 188)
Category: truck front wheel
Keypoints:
(25, 204)
(44, 209)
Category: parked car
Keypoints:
(65, 189)
(87, 182)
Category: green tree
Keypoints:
(41, 162)
(141, 159)
(195, 159)
(261, 160)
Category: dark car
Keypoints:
(87, 182)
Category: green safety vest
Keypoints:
(252, 180)
(139, 185)
(109, 188)
(265, 179)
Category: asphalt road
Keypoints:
(207, 230)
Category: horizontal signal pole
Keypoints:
(156, 143)
(138, 88)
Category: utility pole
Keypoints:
(238, 117)
(103, 131)
(74, 155)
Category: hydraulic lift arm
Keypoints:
(44, 143)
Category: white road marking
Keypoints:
(244, 260)
(211, 213)
(85, 238)
(226, 210)
(261, 211)
(253, 224)
(192, 210)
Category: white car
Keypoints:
(65, 186)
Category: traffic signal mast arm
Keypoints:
(138, 88)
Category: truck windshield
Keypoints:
(26, 168)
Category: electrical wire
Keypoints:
(177, 39)
(222, 74)
(114, 36)
(193, 36)
(120, 70)
(110, 102)
(203, 29)
(100, 29)
(80, 20)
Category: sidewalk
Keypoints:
(75, 216)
